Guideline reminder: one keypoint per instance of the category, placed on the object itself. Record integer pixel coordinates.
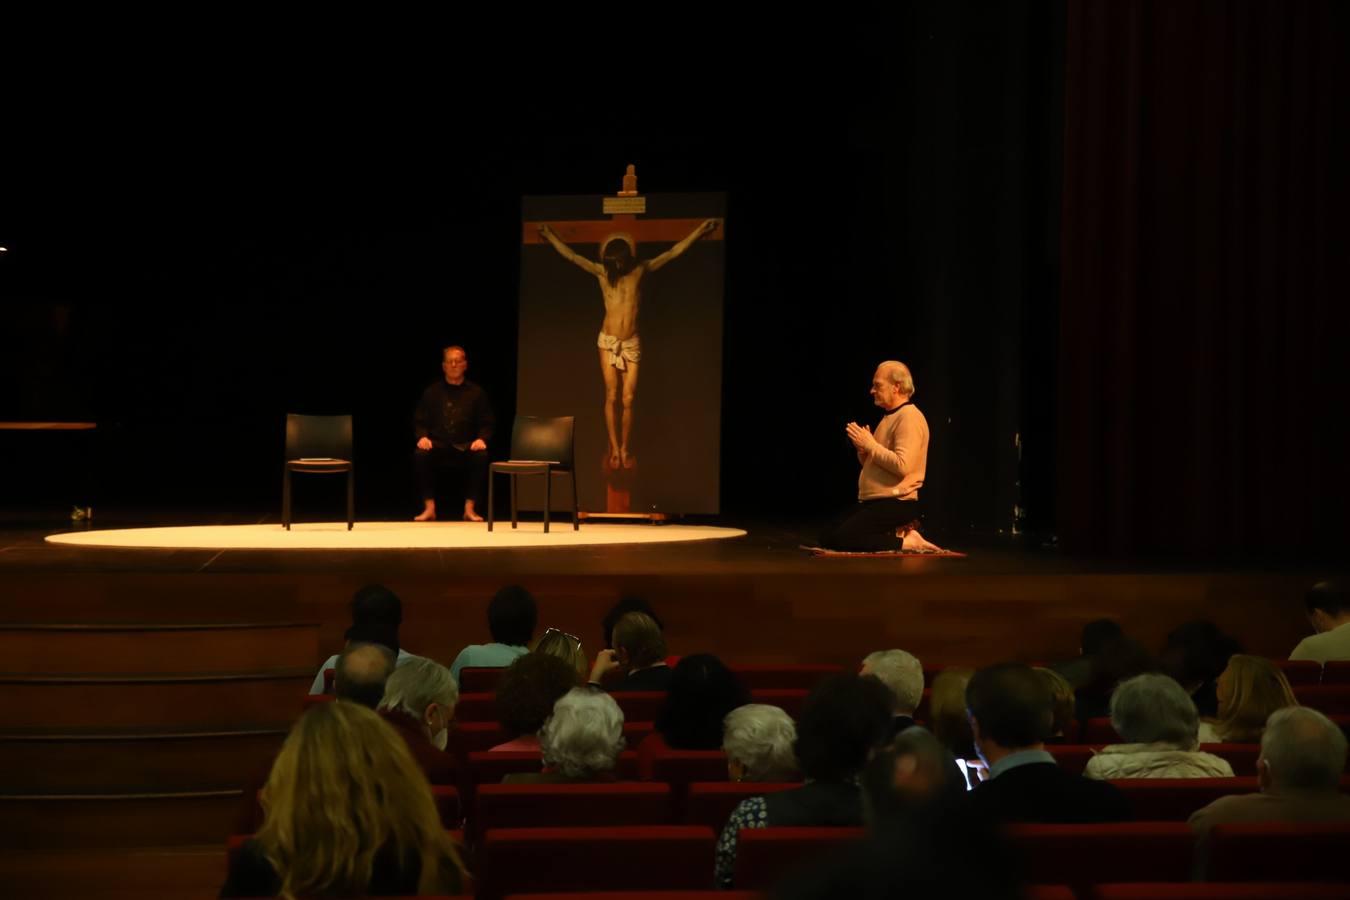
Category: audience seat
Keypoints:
(1278, 851)
(1330, 699)
(1174, 799)
(1299, 671)
(1336, 672)
(1072, 758)
(1079, 855)
(640, 706)
(488, 768)
(789, 701)
(1241, 757)
(763, 855)
(711, 802)
(653, 857)
(558, 805)
(1098, 730)
(479, 679)
(1251, 890)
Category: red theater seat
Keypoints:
(1224, 891)
(679, 768)
(640, 706)
(1336, 672)
(654, 857)
(476, 707)
(1241, 757)
(1072, 758)
(314, 700)
(711, 802)
(789, 701)
(1299, 671)
(1079, 855)
(476, 737)
(1098, 730)
(488, 768)
(799, 677)
(479, 680)
(1278, 851)
(1174, 799)
(764, 855)
(1330, 699)
(557, 805)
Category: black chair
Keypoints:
(539, 446)
(320, 445)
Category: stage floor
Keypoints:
(753, 598)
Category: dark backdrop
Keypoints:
(229, 251)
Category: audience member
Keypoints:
(525, 696)
(845, 718)
(1195, 654)
(580, 742)
(1094, 637)
(638, 660)
(1118, 659)
(947, 711)
(1249, 690)
(1328, 606)
(902, 673)
(419, 702)
(1160, 725)
(347, 813)
(1010, 715)
(758, 740)
(1062, 706)
(377, 614)
(512, 615)
(566, 647)
(362, 670)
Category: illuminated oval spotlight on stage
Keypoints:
(391, 536)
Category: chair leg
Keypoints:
(514, 519)
(286, 498)
(548, 496)
(492, 495)
(351, 497)
(575, 524)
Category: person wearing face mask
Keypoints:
(419, 701)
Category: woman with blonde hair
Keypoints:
(347, 812)
(1249, 690)
(1062, 705)
(566, 647)
(947, 717)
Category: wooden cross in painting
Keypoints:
(620, 273)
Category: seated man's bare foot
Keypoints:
(426, 515)
(615, 461)
(470, 515)
(914, 541)
(629, 461)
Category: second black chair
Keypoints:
(539, 446)
(318, 445)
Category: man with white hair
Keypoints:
(894, 461)
(1299, 770)
(419, 701)
(580, 742)
(902, 673)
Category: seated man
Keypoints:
(1299, 772)
(1329, 612)
(1010, 715)
(452, 426)
(902, 673)
(377, 614)
(362, 670)
(639, 655)
(894, 461)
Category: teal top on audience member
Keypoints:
(486, 656)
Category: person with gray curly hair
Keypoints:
(1161, 727)
(581, 741)
(757, 739)
(419, 701)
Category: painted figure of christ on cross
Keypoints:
(620, 275)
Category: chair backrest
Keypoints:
(1336, 672)
(1073, 758)
(763, 855)
(711, 803)
(1278, 851)
(1080, 855)
(560, 805)
(318, 436)
(543, 438)
(790, 701)
(1299, 671)
(640, 706)
(1174, 799)
(666, 857)
(1328, 699)
(1241, 758)
(480, 679)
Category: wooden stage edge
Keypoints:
(747, 601)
